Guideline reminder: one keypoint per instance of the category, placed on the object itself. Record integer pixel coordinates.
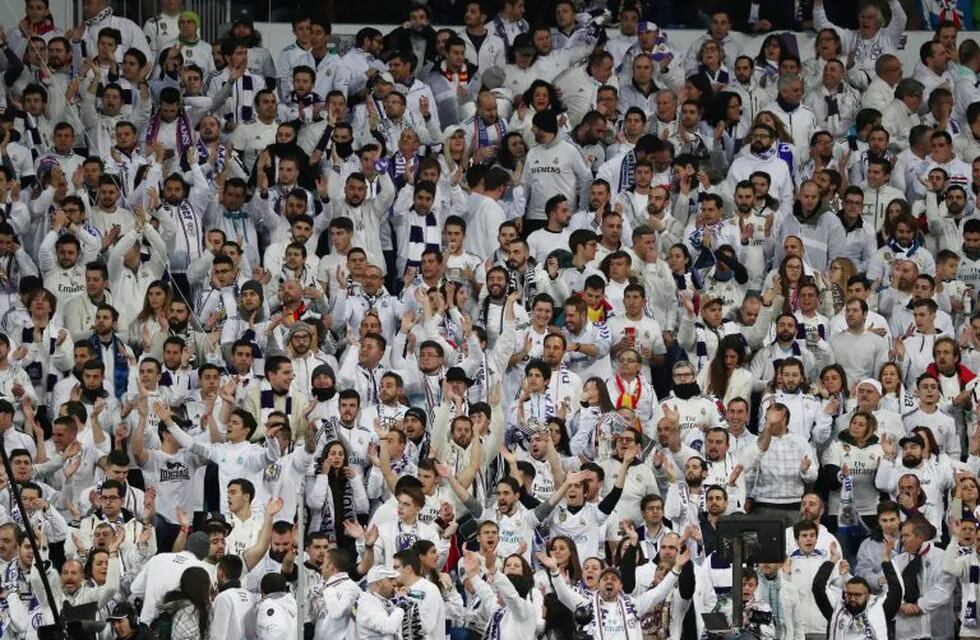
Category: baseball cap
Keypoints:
(378, 573)
(612, 570)
(646, 27)
(912, 439)
(121, 611)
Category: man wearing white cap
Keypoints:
(868, 396)
(377, 617)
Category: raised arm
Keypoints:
(254, 554)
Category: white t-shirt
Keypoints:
(542, 242)
(584, 527)
(171, 475)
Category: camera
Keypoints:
(583, 617)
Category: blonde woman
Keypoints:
(455, 155)
(834, 294)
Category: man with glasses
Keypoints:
(636, 331)
(860, 241)
(627, 388)
(762, 156)
(111, 510)
(640, 482)
(687, 408)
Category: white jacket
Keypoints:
(801, 123)
(782, 187)
(374, 622)
(492, 52)
(332, 604)
(936, 588)
(128, 286)
(898, 120)
(520, 621)
(367, 217)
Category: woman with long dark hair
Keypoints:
(725, 378)
(767, 62)
(892, 387)
(681, 267)
(565, 553)
(512, 152)
(727, 111)
(152, 318)
(540, 96)
(791, 276)
(190, 605)
(337, 496)
(595, 404)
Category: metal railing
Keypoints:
(215, 14)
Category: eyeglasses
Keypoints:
(629, 361)
(761, 136)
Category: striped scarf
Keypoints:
(493, 627)
(35, 370)
(412, 621)
(627, 609)
(701, 341)
(267, 402)
(857, 624)
(482, 135)
(184, 137)
(968, 609)
(328, 524)
(99, 17)
(304, 102)
(529, 287)
(785, 152)
(463, 75)
(721, 579)
(32, 136)
(246, 99)
(626, 171)
(501, 29)
(423, 235)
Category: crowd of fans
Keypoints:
(479, 332)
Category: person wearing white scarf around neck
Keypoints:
(616, 615)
